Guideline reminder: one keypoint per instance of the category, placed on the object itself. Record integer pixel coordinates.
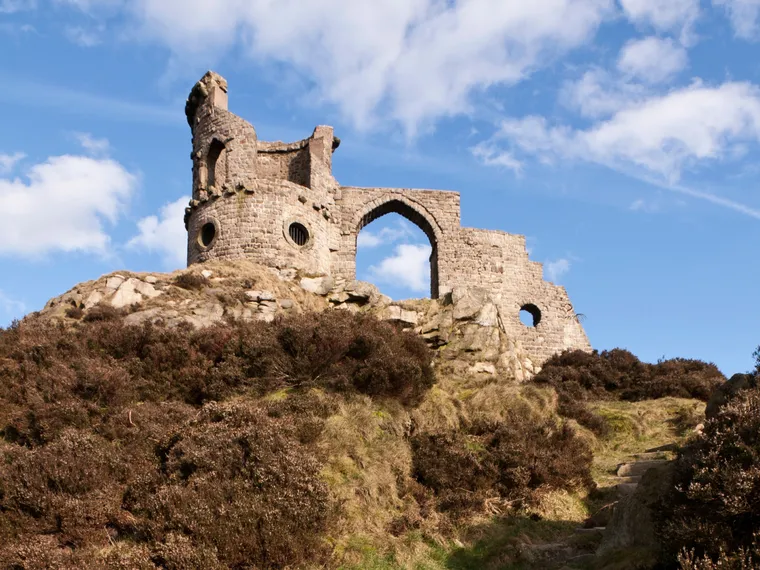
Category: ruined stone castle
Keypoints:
(279, 205)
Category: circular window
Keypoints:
(207, 234)
(299, 234)
(530, 315)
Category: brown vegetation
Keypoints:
(148, 447)
(514, 460)
(712, 517)
(619, 375)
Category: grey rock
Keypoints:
(361, 292)
(632, 523)
(114, 282)
(317, 285)
(730, 388)
(126, 295)
(93, 299)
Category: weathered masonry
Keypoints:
(278, 204)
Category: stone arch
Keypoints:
(216, 164)
(412, 211)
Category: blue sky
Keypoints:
(620, 136)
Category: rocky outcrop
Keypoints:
(632, 525)
(730, 388)
(465, 327)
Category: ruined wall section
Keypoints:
(435, 212)
(278, 204)
(285, 161)
(254, 224)
(214, 126)
(498, 262)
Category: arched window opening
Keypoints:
(207, 234)
(216, 164)
(395, 253)
(530, 315)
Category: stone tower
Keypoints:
(278, 204)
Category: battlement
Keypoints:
(278, 204)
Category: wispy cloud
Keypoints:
(84, 37)
(11, 307)
(74, 101)
(93, 145)
(388, 235)
(556, 269)
(11, 6)
(744, 16)
(655, 139)
(8, 161)
(164, 234)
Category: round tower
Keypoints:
(270, 202)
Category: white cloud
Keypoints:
(599, 93)
(664, 15)
(409, 267)
(661, 136)
(411, 60)
(743, 14)
(9, 161)
(11, 6)
(92, 145)
(490, 155)
(556, 269)
(368, 238)
(62, 205)
(83, 37)
(641, 205)
(164, 234)
(652, 59)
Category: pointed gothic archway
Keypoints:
(415, 213)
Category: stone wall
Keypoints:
(279, 205)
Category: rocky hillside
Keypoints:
(464, 326)
(256, 419)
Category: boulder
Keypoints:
(482, 368)
(488, 316)
(126, 295)
(131, 292)
(396, 313)
(468, 303)
(145, 289)
(361, 292)
(257, 296)
(730, 388)
(632, 525)
(318, 285)
(93, 299)
(114, 282)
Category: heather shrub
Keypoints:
(191, 281)
(146, 446)
(235, 483)
(713, 512)
(75, 312)
(617, 374)
(101, 312)
(516, 459)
